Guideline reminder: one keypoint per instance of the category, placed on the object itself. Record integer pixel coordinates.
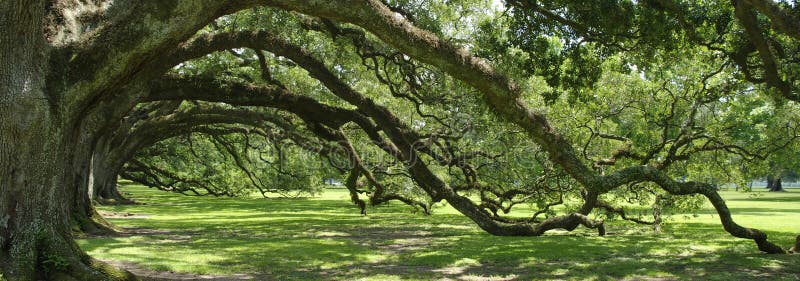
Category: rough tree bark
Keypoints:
(104, 171)
(38, 148)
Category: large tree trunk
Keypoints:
(108, 188)
(85, 218)
(59, 89)
(39, 198)
(774, 184)
(37, 154)
(104, 170)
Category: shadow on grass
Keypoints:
(788, 197)
(323, 239)
(782, 199)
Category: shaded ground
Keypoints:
(153, 275)
(326, 239)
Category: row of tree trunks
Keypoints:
(45, 199)
(105, 169)
(36, 149)
(54, 102)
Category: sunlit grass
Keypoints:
(326, 238)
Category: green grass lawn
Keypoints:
(325, 238)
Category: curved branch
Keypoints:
(747, 18)
(647, 173)
(782, 20)
(105, 59)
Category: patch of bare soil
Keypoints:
(451, 273)
(153, 275)
(128, 232)
(402, 240)
(121, 215)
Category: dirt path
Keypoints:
(153, 275)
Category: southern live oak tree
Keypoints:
(72, 73)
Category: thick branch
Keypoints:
(501, 93)
(781, 19)
(747, 18)
(647, 173)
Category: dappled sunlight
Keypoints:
(327, 238)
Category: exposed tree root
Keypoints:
(93, 224)
(115, 201)
(110, 195)
(49, 255)
(796, 248)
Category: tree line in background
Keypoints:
(583, 116)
